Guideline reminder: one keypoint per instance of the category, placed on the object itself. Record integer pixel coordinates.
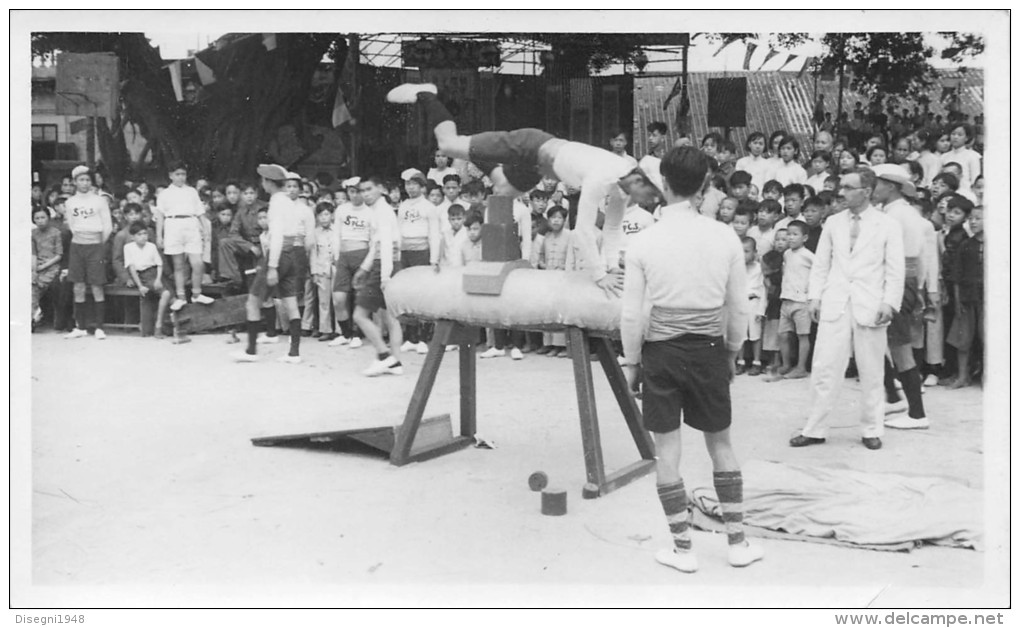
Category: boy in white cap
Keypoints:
(88, 217)
(352, 225)
(285, 264)
(179, 233)
(420, 244)
(892, 187)
(515, 161)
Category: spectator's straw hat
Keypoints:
(80, 170)
(272, 171)
(352, 182)
(412, 173)
(896, 174)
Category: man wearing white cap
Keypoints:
(517, 160)
(88, 218)
(856, 286)
(921, 273)
(179, 233)
(352, 225)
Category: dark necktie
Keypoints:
(855, 229)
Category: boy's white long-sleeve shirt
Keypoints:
(690, 264)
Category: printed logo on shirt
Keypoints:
(83, 212)
(353, 222)
(412, 215)
(630, 228)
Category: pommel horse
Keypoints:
(509, 295)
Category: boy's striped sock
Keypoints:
(729, 487)
(674, 504)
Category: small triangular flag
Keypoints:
(772, 53)
(786, 63)
(751, 47)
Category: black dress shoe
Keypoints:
(803, 441)
(872, 443)
(327, 337)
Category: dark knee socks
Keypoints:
(99, 313)
(80, 312)
(253, 334)
(295, 336)
(269, 320)
(911, 380)
(673, 498)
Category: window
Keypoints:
(44, 133)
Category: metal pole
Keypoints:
(90, 142)
(354, 48)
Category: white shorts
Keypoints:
(753, 328)
(182, 235)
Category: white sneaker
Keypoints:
(422, 348)
(744, 554)
(177, 305)
(492, 353)
(339, 341)
(201, 298)
(100, 334)
(244, 356)
(893, 408)
(407, 93)
(515, 354)
(37, 315)
(354, 343)
(76, 333)
(686, 562)
(289, 359)
(263, 339)
(931, 380)
(383, 367)
(407, 346)
(907, 423)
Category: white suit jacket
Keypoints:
(867, 277)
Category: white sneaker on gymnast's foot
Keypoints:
(407, 93)
(686, 562)
(354, 343)
(745, 553)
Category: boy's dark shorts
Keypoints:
(414, 258)
(87, 264)
(370, 296)
(148, 279)
(907, 324)
(346, 266)
(968, 324)
(292, 271)
(686, 377)
(519, 147)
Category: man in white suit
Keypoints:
(856, 285)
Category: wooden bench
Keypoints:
(127, 310)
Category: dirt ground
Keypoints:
(147, 491)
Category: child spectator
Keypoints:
(144, 264)
(793, 200)
(794, 318)
(420, 242)
(772, 190)
(821, 163)
(47, 250)
(831, 183)
(454, 234)
(220, 233)
(789, 171)
(812, 214)
(755, 164)
(443, 168)
(451, 192)
(968, 324)
(960, 136)
(876, 155)
(710, 144)
(88, 218)
(555, 252)
(320, 267)
(764, 233)
(539, 220)
(121, 276)
(726, 157)
(714, 195)
(958, 210)
(434, 193)
(179, 233)
(727, 208)
(848, 162)
(756, 296)
(740, 185)
(772, 278)
(742, 221)
(471, 247)
(930, 162)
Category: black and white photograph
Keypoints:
(318, 310)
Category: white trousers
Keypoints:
(833, 346)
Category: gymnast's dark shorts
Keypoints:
(686, 378)
(519, 148)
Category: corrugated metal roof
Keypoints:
(775, 100)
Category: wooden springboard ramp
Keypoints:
(434, 438)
